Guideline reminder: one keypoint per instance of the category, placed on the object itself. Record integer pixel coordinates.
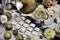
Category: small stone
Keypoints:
(15, 32)
(41, 37)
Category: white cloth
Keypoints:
(19, 5)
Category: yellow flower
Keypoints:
(49, 33)
(51, 12)
(7, 35)
(19, 37)
(40, 12)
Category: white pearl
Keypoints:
(3, 18)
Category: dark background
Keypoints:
(0, 1)
(58, 2)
